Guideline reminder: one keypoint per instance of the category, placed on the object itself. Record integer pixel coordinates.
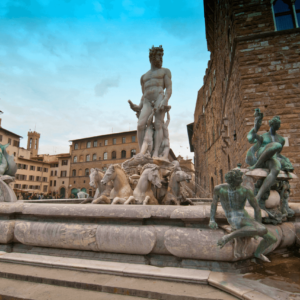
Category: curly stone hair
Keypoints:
(232, 176)
(153, 50)
(275, 122)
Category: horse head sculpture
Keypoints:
(110, 174)
(102, 191)
(173, 194)
(121, 186)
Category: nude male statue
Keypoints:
(233, 198)
(156, 87)
(266, 152)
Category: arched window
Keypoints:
(94, 156)
(81, 158)
(123, 154)
(75, 159)
(88, 144)
(74, 173)
(132, 152)
(113, 155)
(35, 144)
(87, 172)
(285, 14)
(76, 146)
(30, 143)
(105, 156)
(228, 163)
(88, 158)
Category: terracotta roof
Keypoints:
(7, 131)
(33, 160)
(91, 137)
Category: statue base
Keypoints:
(156, 235)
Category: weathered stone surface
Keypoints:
(98, 211)
(296, 208)
(161, 211)
(11, 208)
(273, 200)
(189, 212)
(197, 243)
(288, 235)
(57, 235)
(7, 231)
(160, 247)
(126, 239)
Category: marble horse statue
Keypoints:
(174, 194)
(121, 186)
(143, 193)
(102, 195)
(8, 169)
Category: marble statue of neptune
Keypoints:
(157, 90)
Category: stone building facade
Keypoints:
(99, 152)
(254, 63)
(37, 173)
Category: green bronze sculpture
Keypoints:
(233, 198)
(266, 152)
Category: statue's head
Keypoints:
(234, 178)
(275, 123)
(156, 56)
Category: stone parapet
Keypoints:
(180, 232)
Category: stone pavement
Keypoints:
(135, 280)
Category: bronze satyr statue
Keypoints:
(233, 198)
(266, 152)
(157, 90)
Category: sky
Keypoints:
(68, 67)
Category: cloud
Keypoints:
(102, 88)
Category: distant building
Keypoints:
(62, 175)
(35, 174)
(254, 63)
(99, 152)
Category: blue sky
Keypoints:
(68, 67)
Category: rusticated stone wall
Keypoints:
(251, 66)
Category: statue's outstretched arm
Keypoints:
(254, 204)
(138, 108)
(252, 136)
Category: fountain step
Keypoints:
(30, 278)
(125, 279)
